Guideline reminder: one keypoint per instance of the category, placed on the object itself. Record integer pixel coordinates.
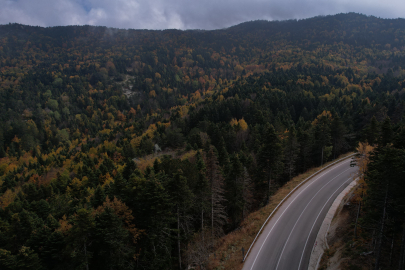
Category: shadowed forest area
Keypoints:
(139, 149)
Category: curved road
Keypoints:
(287, 240)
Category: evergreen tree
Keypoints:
(247, 193)
(399, 140)
(80, 236)
(269, 158)
(383, 203)
(338, 130)
(119, 187)
(304, 139)
(53, 251)
(2, 152)
(7, 260)
(372, 131)
(202, 193)
(99, 197)
(386, 133)
(112, 242)
(181, 197)
(214, 176)
(322, 135)
(130, 167)
(234, 191)
(151, 201)
(27, 259)
(42, 208)
(291, 150)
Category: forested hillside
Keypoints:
(137, 149)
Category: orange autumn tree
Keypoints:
(362, 159)
(124, 213)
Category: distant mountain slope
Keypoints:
(236, 112)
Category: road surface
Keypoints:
(287, 240)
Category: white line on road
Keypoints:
(319, 176)
(313, 197)
(313, 225)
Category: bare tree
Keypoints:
(214, 176)
(198, 251)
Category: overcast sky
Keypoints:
(183, 14)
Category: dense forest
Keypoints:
(138, 149)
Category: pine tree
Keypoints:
(269, 157)
(291, 150)
(130, 167)
(27, 259)
(112, 242)
(52, 252)
(399, 141)
(223, 156)
(214, 176)
(304, 139)
(181, 197)
(322, 135)
(338, 130)
(234, 191)
(2, 152)
(202, 189)
(119, 187)
(80, 236)
(150, 200)
(98, 197)
(384, 203)
(42, 209)
(371, 132)
(247, 194)
(386, 133)
(7, 260)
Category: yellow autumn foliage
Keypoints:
(240, 124)
(220, 98)
(8, 197)
(233, 122)
(243, 125)
(107, 179)
(328, 114)
(362, 160)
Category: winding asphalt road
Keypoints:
(287, 240)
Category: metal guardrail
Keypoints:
(286, 197)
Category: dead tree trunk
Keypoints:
(178, 235)
(357, 218)
(269, 187)
(202, 224)
(401, 256)
(322, 157)
(381, 233)
(85, 255)
(212, 215)
(392, 247)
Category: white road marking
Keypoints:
(313, 197)
(306, 242)
(313, 181)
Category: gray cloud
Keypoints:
(182, 14)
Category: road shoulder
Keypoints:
(321, 243)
